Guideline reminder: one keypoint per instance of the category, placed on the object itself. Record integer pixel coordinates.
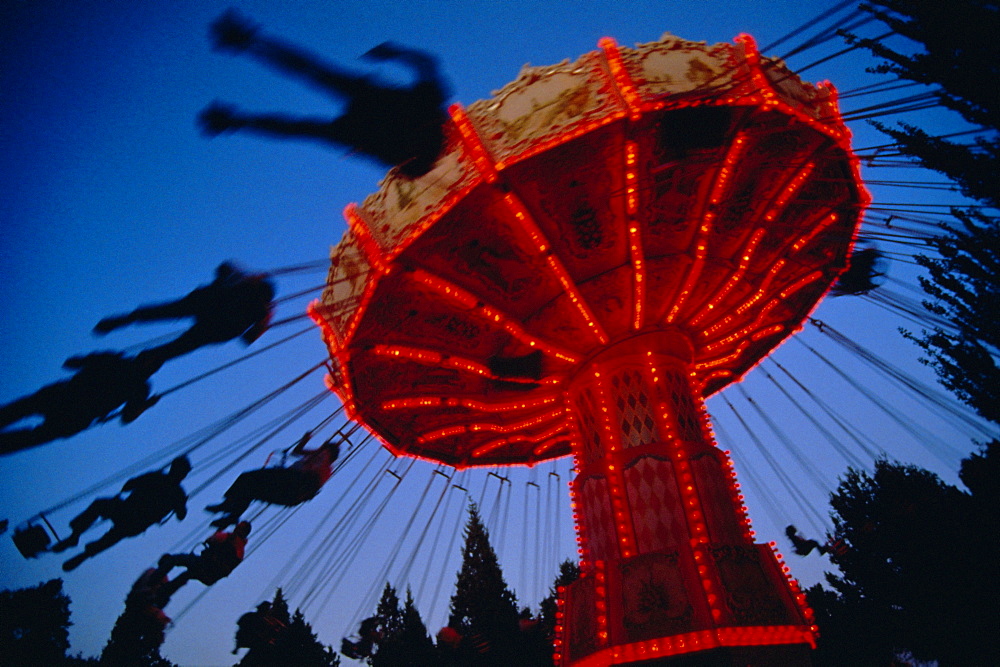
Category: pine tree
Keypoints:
(956, 56)
(482, 605)
(389, 613)
(277, 638)
(299, 645)
(414, 641)
(409, 645)
(394, 637)
(955, 46)
(568, 573)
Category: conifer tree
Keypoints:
(955, 54)
(394, 637)
(389, 613)
(954, 46)
(482, 605)
(281, 638)
(416, 645)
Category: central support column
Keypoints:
(668, 559)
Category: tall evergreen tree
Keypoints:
(542, 633)
(394, 637)
(482, 605)
(954, 46)
(389, 613)
(282, 638)
(416, 647)
(954, 52)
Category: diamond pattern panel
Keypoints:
(599, 527)
(589, 431)
(684, 408)
(716, 495)
(657, 511)
(632, 404)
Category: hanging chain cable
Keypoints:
(455, 532)
(813, 514)
(943, 405)
(234, 362)
(292, 582)
(356, 547)
(343, 533)
(384, 574)
(299, 294)
(811, 471)
(404, 574)
(437, 536)
(849, 457)
(811, 23)
(931, 444)
(305, 267)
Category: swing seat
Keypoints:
(31, 540)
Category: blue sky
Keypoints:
(110, 198)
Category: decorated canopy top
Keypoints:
(700, 191)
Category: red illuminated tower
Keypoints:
(605, 244)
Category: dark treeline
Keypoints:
(485, 625)
(916, 556)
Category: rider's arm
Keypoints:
(180, 508)
(258, 329)
(300, 446)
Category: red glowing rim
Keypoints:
(722, 208)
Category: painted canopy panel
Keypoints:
(677, 185)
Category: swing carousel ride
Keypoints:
(603, 246)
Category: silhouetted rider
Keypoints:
(151, 498)
(258, 629)
(861, 273)
(804, 547)
(221, 554)
(285, 485)
(234, 305)
(103, 382)
(396, 125)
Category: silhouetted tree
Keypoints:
(568, 573)
(34, 625)
(293, 641)
(918, 573)
(955, 53)
(138, 632)
(395, 635)
(483, 609)
(415, 645)
(964, 286)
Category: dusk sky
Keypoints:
(111, 198)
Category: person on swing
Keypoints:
(235, 304)
(400, 126)
(284, 485)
